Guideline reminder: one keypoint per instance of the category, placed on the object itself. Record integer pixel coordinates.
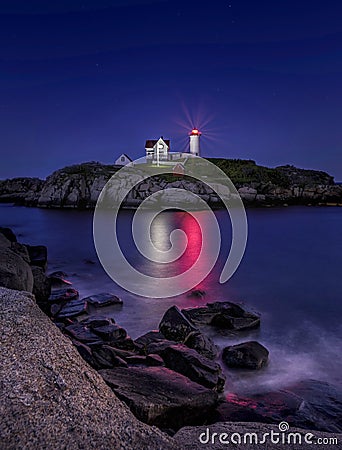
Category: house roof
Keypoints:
(150, 143)
(124, 154)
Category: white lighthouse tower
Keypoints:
(195, 142)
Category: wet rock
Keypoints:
(175, 326)
(309, 404)
(97, 321)
(58, 279)
(73, 308)
(223, 315)
(86, 354)
(38, 255)
(154, 360)
(157, 347)
(54, 309)
(41, 285)
(202, 344)
(149, 337)
(82, 333)
(248, 355)
(153, 339)
(103, 299)
(64, 295)
(161, 397)
(222, 320)
(188, 362)
(111, 332)
(123, 344)
(137, 360)
(107, 357)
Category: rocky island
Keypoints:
(79, 186)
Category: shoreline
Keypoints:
(129, 356)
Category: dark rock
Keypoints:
(137, 360)
(309, 404)
(202, 344)
(175, 326)
(103, 299)
(97, 321)
(123, 354)
(54, 309)
(222, 320)
(149, 337)
(157, 347)
(154, 360)
(223, 315)
(15, 273)
(248, 355)
(161, 397)
(123, 344)
(21, 250)
(153, 339)
(58, 274)
(111, 332)
(58, 279)
(64, 295)
(198, 368)
(38, 255)
(107, 357)
(73, 308)
(8, 233)
(82, 333)
(86, 354)
(41, 285)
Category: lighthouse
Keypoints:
(195, 142)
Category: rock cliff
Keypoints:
(79, 186)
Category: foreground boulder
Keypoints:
(222, 315)
(175, 326)
(161, 397)
(50, 397)
(248, 355)
(188, 362)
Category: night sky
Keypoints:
(89, 80)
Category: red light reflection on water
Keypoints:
(240, 401)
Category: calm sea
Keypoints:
(291, 274)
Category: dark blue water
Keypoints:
(291, 274)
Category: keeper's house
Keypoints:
(157, 150)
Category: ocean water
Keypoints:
(291, 274)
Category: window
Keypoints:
(122, 158)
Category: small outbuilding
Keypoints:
(123, 160)
(178, 169)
